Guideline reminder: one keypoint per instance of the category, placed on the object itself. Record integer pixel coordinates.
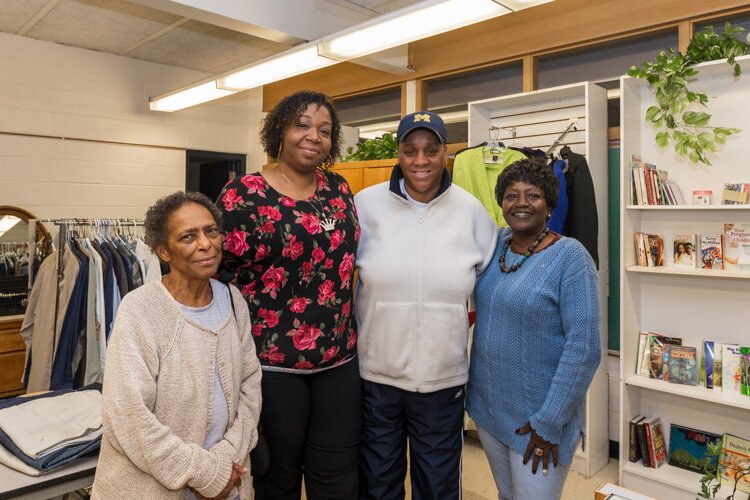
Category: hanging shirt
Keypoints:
(557, 221)
(479, 178)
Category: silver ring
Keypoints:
(544, 471)
(539, 452)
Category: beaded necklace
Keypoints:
(528, 253)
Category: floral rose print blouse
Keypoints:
(295, 275)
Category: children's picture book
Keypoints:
(735, 460)
(688, 448)
(684, 250)
(736, 246)
(718, 366)
(730, 368)
(707, 364)
(711, 256)
(656, 347)
(680, 365)
(735, 193)
(745, 371)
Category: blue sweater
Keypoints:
(536, 345)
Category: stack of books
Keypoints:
(651, 186)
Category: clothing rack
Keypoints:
(63, 235)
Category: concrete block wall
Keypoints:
(77, 138)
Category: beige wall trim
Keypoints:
(96, 141)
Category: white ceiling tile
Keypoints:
(205, 47)
(15, 13)
(104, 25)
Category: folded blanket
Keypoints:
(46, 425)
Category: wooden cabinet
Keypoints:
(12, 355)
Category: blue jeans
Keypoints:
(513, 479)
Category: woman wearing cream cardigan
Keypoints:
(181, 394)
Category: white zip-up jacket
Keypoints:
(416, 274)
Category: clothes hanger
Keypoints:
(494, 149)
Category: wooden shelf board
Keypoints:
(674, 477)
(691, 391)
(689, 271)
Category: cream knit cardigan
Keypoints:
(158, 392)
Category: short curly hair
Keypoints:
(157, 215)
(531, 171)
(289, 109)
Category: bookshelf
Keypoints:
(691, 303)
(536, 119)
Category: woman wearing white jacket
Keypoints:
(423, 243)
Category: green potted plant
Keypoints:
(711, 480)
(380, 148)
(669, 74)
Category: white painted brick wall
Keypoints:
(60, 91)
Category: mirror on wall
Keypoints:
(17, 258)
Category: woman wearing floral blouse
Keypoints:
(291, 235)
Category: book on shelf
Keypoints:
(656, 346)
(708, 364)
(680, 365)
(735, 245)
(657, 443)
(684, 250)
(634, 452)
(745, 371)
(656, 246)
(711, 255)
(688, 448)
(718, 367)
(735, 461)
(644, 353)
(730, 368)
(643, 442)
(636, 196)
(640, 249)
(674, 190)
(735, 193)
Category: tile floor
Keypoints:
(479, 485)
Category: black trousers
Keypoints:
(432, 423)
(313, 424)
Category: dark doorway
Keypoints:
(208, 171)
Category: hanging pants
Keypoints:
(433, 425)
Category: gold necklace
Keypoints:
(325, 223)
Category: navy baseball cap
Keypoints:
(422, 120)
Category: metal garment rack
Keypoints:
(62, 237)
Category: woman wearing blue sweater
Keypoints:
(536, 341)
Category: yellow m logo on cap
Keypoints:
(421, 118)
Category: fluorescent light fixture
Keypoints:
(406, 25)
(521, 4)
(289, 63)
(186, 97)
(7, 222)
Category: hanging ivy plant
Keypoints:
(379, 148)
(669, 73)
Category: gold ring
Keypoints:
(538, 452)
(544, 471)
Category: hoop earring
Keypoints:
(281, 146)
